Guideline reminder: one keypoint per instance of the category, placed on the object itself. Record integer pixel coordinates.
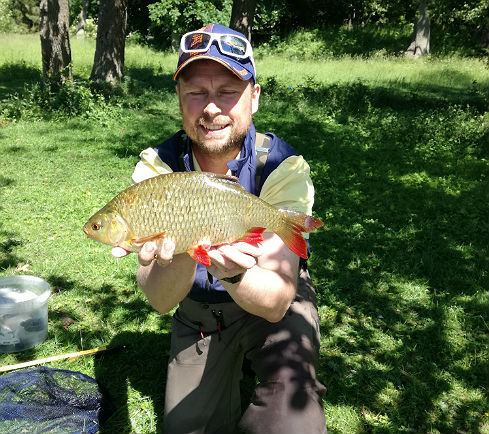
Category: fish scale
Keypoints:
(194, 209)
(202, 204)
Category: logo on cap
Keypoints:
(243, 72)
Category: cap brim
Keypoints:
(235, 67)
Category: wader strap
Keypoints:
(182, 142)
(262, 146)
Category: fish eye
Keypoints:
(95, 227)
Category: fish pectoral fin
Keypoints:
(253, 236)
(138, 242)
(199, 254)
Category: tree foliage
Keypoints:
(171, 18)
(454, 23)
(278, 18)
(19, 15)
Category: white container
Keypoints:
(23, 312)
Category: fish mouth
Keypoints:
(85, 229)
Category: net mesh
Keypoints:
(48, 401)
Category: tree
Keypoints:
(82, 18)
(108, 63)
(242, 16)
(420, 46)
(55, 40)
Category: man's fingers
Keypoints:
(163, 254)
(166, 251)
(250, 249)
(147, 254)
(119, 252)
(237, 257)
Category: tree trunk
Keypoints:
(421, 34)
(242, 16)
(108, 63)
(82, 18)
(55, 40)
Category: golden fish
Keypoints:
(194, 210)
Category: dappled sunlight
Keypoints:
(398, 185)
(399, 158)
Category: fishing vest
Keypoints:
(252, 168)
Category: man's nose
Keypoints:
(212, 109)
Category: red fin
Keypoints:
(291, 233)
(200, 255)
(138, 242)
(254, 236)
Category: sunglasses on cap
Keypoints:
(230, 45)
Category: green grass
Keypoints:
(399, 156)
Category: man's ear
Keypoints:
(255, 98)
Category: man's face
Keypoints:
(216, 106)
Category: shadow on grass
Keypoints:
(400, 173)
(139, 360)
(13, 77)
(136, 359)
(7, 245)
(401, 185)
(142, 79)
(8, 239)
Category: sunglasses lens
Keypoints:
(233, 45)
(197, 41)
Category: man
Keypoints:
(254, 302)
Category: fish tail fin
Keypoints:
(291, 231)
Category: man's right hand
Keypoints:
(150, 252)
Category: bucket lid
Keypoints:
(14, 289)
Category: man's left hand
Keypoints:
(228, 260)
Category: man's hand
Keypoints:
(229, 260)
(150, 252)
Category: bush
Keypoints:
(90, 28)
(7, 23)
(328, 42)
(44, 101)
(172, 18)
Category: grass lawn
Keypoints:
(398, 150)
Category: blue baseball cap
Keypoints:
(216, 42)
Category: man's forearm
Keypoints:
(264, 293)
(166, 286)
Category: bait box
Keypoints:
(23, 312)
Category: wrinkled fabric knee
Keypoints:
(288, 405)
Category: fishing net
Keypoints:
(48, 401)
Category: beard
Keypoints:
(219, 146)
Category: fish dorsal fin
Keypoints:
(218, 176)
(232, 180)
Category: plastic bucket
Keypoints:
(23, 312)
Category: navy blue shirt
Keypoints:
(176, 152)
